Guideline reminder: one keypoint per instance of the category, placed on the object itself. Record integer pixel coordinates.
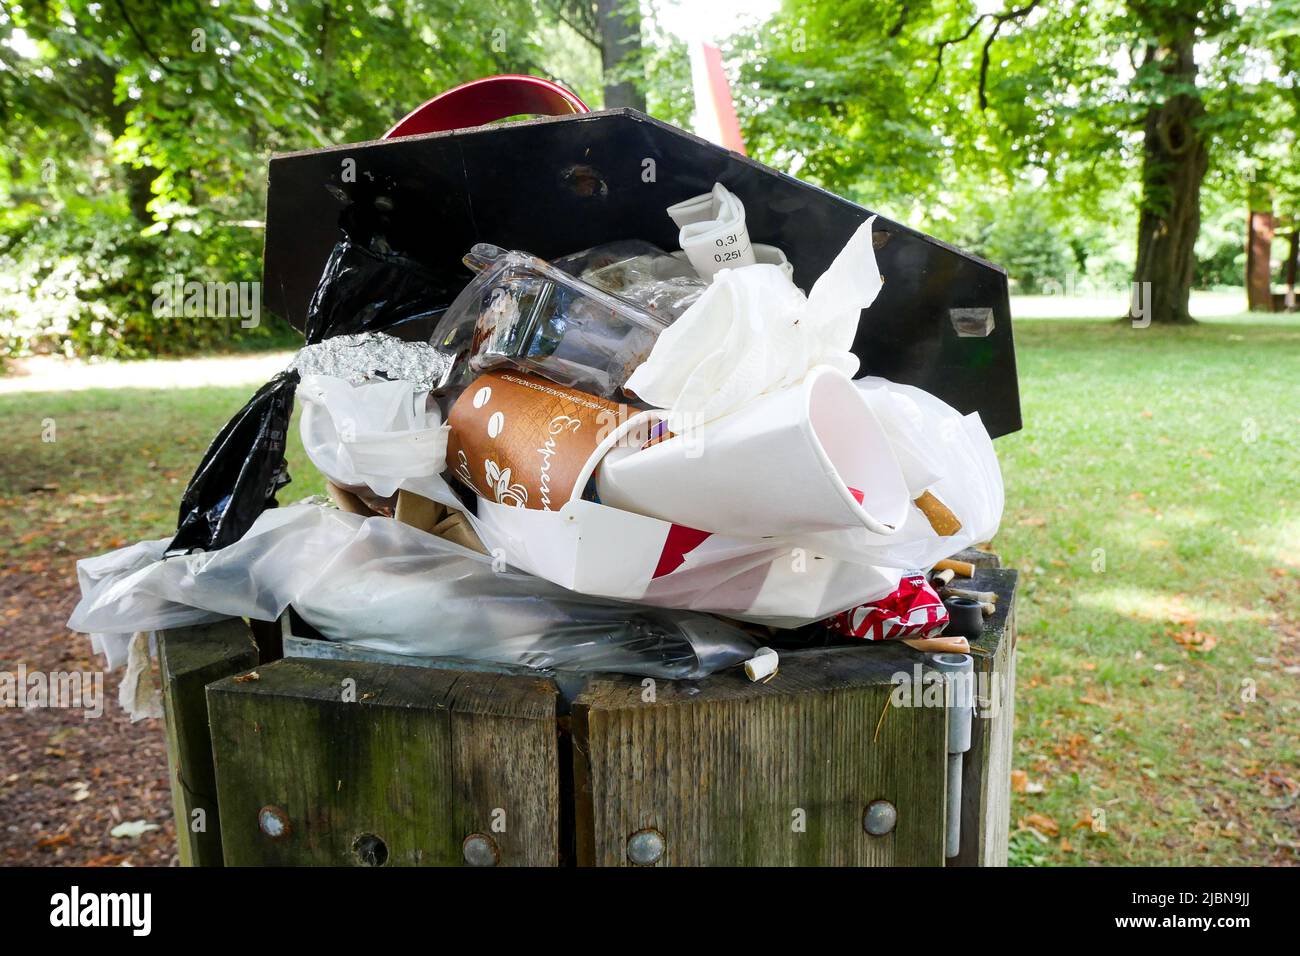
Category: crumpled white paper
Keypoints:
(753, 331)
(138, 693)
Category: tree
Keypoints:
(937, 100)
(613, 28)
(137, 136)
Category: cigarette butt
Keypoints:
(762, 665)
(953, 645)
(944, 577)
(984, 597)
(940, 516)
(988, 607)
(964, 568)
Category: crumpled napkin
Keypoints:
(753, 331)
(138, 693)
(382, 435)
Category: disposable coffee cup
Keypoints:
(811, 457)
(524, 441)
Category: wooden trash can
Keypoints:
(315, 761)
(307, 757)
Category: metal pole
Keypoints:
(958, 672)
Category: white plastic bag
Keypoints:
(795, 576)
(109, 576)
(377, 583)
(381, 435)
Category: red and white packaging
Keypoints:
(913, 610)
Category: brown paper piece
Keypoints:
(348, 501)
(418, 511)
(457, 529)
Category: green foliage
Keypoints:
(1045, 250)
(139, 135)
(1221, 249)
(80, 281)
(929, 111)
(827, 91)
(1026, 240)
(667, 71)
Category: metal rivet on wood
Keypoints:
(881, 817)
(274, 822)
(480, 850)
(645, 847)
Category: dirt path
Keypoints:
(65, 780)
(48, 373)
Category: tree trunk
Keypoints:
(1259, 260)
(1173, 167)
(139, 192)
(1291, 270)
(138, 179)
(619, 23)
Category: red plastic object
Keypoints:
(483, 101)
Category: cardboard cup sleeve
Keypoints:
(524, 441)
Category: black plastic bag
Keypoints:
(365, 291)
(243, 468)
(240, 473)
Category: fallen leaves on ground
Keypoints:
(1045, 825)
(1193, 640)
(132, 829)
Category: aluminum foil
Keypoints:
(370, 356)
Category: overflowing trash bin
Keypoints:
(592, 396)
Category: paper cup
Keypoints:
(763, 664)
(812, 457)
(520, 440)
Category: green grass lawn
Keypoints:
(117, 467)
(1151, 507)
(1152, 510)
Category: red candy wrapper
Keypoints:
(914, 610)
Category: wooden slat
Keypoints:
(986, 768)
(722, 767)
(981, 559)
(190, 659)
(421, 759)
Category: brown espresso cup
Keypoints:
(524, 441)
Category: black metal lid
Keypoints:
(558, 185)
